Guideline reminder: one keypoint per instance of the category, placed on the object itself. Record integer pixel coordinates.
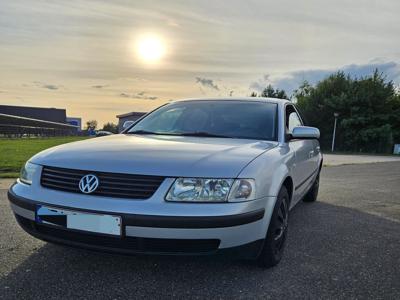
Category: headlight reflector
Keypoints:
(211, 190)
(27, 172)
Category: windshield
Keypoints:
(228, 119)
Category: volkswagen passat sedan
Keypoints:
(192, 177)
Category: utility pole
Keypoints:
(336, 115)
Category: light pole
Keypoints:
(336, 115)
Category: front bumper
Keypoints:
(240, 234)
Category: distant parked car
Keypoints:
(192, 177)
(103, 133)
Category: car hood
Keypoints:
(156, 155)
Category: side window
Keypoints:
(303, 119)
(294, 121)
(292, 118)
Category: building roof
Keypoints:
(40, 113)
(23, 121)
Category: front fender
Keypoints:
(270, 171)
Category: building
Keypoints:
(132, 116)
(40, 113)
(75, 121)
(26, 121)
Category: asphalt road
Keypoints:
(346, 245)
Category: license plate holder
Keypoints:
(78, 220)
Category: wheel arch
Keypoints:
(288, 184)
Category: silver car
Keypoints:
(199, 176)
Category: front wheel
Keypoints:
(274, 244)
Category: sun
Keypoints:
(151, 49)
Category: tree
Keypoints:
(111, 127)
(270, 92)
(368, 110)
(304, 90)
(91, 124)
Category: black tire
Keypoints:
(272, 251)
(312, 194)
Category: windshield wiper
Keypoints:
(142, 132)
(194, 133)
(204, 134)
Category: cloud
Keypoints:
(99, 86)
(260, 84)
(172, 23)
(140, 95)
(46, 85)
(50, 87)
(209, 83)
(291, 81)
(294, 79)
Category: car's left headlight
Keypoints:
(211, 190)
(27, 172)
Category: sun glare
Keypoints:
(151, 49)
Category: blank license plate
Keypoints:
(105, 224)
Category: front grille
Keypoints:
(115, 185)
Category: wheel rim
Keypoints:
(281, 225)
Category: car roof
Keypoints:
(254, 99)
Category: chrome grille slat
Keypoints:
(116, 185)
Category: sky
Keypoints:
(98, 59)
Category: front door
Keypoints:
(304, 154)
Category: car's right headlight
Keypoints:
(27, 172)
(211, 190)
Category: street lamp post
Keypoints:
(336, 115)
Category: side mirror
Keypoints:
(127, 124)
(305, 133)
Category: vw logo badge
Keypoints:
(88, 183)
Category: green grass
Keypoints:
(15, 152)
